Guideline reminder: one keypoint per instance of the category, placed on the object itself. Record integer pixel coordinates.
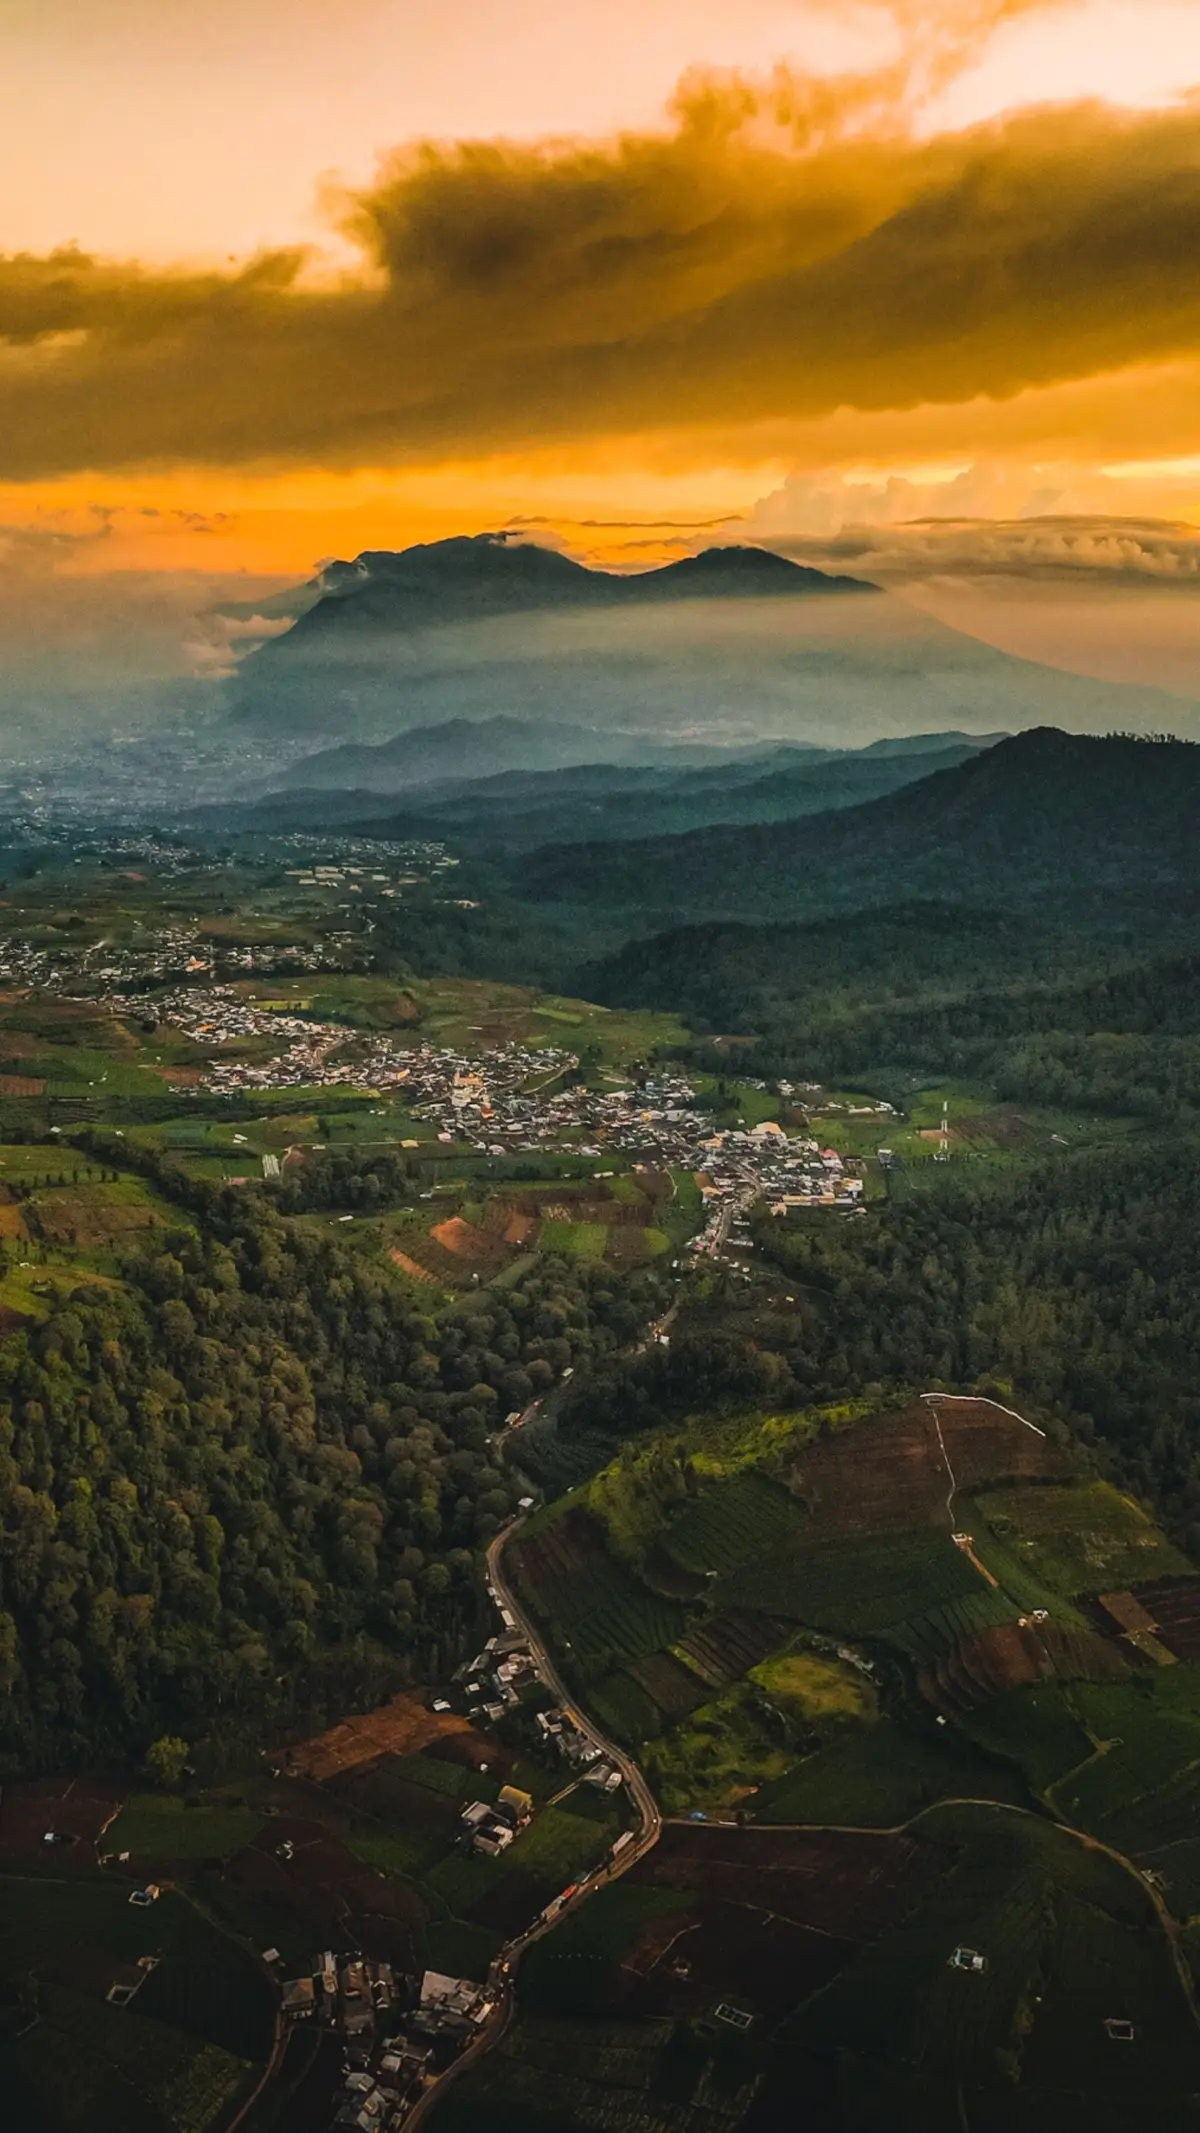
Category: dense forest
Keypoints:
(1077, 1284)
(1055, 1008)
(1045, 814)
(250, 1483)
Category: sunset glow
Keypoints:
(617, 272)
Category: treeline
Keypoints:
(248, 1486)
(1076, 1283)
(342, 1178)
(929, 991)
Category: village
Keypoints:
(399, 2033)
(517, 1100)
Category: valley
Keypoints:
(605, 1513)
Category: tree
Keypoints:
(165, 1758)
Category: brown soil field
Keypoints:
(1004, 1129)
(519, 1229)
(852, 1884)
(93, 1219)
(78, 1808)
(380, 1789)
(570, 1548)
(673, 1687)
(410, 1267)
(180, 1077)
(985, 1445)
(404, 1726)
(725, 1647)
(465, 1241)
(718, 1950)
(11, 1224)
(992, 1661)
(469, 1749)
(22, 1085)
(1175, 1606)
(888, 1474)
(765, 1916)
(339, 1899)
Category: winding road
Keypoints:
(649, 1822)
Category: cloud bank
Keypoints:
(776, 253)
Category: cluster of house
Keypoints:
(349, 1993)
(94, 969)
(361, 878)
(494, 1678)
(489, 1828)
(357, 855)
(395, 2033)
(560, 1731)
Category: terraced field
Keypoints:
(598, 1611)
(731, 1524)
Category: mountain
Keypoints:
(465, 750)
(735, 644)
(1039, 816)
(516, 810)
(520, 810)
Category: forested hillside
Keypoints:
(249, 1483)
(1063, 1007)
(1077, 1284)
(1045, 813)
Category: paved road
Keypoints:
(648, 1818)
(649, 1824)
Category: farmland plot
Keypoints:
(593, 1605)
(1082, 1538)
(1049, 1918)
(992, 1661)
(1174, 1602)
(731, 1524)
(854, 1588)
(599, 2077)
(889, 1473)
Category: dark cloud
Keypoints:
(777, 253)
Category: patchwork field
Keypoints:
(896, 1471)
(1082, 1539)
(487, 1228)
(597, 1610)
(187, 2045)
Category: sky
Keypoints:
(905, 288)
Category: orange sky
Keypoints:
(938, 268)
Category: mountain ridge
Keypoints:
(1037, 813)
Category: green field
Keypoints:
(1069, 1938)
(603, 2077)
(1147, 1735)
(174, 2061)
(854, 1588)
(1078, 1539)
(878, 1777)
(1037, 1728)
(160, 1826)
(725, 1752)
(732, 1524)
(574, 1240)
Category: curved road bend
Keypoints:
(646, 1835)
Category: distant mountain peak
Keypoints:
(506, 558)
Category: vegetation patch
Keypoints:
(1082, 1538)
(855, 1588)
